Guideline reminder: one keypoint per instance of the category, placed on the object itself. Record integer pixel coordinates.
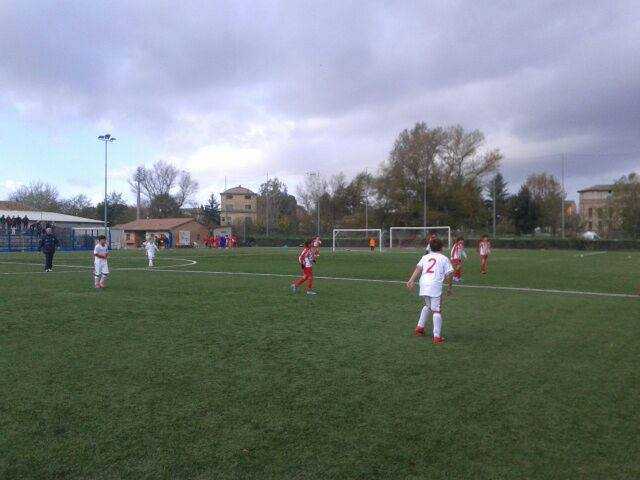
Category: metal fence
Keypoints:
(30, 241)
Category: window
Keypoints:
(229, 208)
(590, 213)
(247, 197)
(247, 207)
(229, 197)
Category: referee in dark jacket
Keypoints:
(48, 245)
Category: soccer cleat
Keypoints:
(438, 340)
(294, 289)
(311, 292)
(419, 332)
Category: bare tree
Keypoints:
(37, 196)
(309, 191)
(163, 180)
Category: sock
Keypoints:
(424, 315)
(437, 325)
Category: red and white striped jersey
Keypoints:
(484, 247)
(306, 258)
(456, 251)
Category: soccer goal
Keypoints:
(357, 239)
(416, 237)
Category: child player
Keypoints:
(316, 243)
(458, 254)
(100, 265)
(372, 244)
(306, 260)
(484, 250)
(151, 248)
(434, 269)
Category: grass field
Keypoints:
(189, 374)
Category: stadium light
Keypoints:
(106, 138)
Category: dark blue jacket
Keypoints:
(49, 243)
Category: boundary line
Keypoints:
(344, 279)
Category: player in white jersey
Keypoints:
(100, 264)
(434, 270)
(151, 248)
(484, 250)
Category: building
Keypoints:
(52, 218)
(238, 205)
(570, 208)
(177, 232)
(594, 203)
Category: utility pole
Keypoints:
(366, 199)
(564, 159)
(424, 202)
(494, 207)
(267, 202)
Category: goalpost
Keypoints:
(415, 237)
(356, 238)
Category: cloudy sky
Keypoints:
(242, 89)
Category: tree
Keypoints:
(449, 163)
(547, 194)
(164, 205)
(37, 196)
(80, 206)
(162, 181)
(524, 211)
(210, 212)
(117, 210)
(277, 206)
(626, 203)
(497, 187)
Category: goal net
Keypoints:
(416, 237)
(357, 239)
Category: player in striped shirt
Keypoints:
(306, 259)
(484, 250)
(458, 254)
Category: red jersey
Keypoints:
(306, 258)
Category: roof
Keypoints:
(239, 190)
(8, 205)
(597, 188)
(48, 216)
(151, 224)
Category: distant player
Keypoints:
(484, 250)
(458, 254)
(306, 260)
(151, 248)
(434, 269)
(100, 264)
(432, 236)
(316, 243)
(372, 244)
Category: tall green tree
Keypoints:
(118, 211)
(210, 212)
(626, 202)
(547, 194)
(524, 211)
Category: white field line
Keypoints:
(189, 263)
(362, 280)
(590, 254)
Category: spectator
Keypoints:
(48, 245)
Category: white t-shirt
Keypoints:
(435, 267)
(102, 251)
(151, 248)
(484, 247)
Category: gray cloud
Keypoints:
(342, 77)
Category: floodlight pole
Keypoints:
(106, 138)
(494, 207)
(563, 194)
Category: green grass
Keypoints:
(188, 375)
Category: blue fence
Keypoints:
(30, 241)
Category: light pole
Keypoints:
(317, 176)
(106, 138)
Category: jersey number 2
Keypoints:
(432, 262)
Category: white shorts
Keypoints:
(433, 303)
(100, 268)
(151, 256)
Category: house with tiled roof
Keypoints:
(237, 206)
(172, 232)
(594, 203)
